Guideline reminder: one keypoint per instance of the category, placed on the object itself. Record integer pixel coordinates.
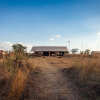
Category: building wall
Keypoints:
(51, 53)
(95, 54)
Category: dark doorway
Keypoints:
(45, 53)
(61, 53)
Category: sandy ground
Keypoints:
(49, 81)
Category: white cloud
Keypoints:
(29, 47)
(51, 39)
(58, 36)
(5, 45)
(98, 33)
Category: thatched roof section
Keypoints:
(49, 48)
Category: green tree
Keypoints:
(19, 49)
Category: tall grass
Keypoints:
(18, 84)
(86, 74)
(88, 70)
(18, 67)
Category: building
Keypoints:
(95, 53)
(2, 53)
(50, 50)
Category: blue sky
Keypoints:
(50, 22)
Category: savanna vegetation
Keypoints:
(85, 73)
(14, 70)
(15, 67)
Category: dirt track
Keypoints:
(50, 83)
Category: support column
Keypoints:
(56, 53)
(49, 53)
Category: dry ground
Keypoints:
(49, 81)
(52, 78)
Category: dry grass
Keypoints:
(19, 80)
(18, 85)
(17, 72)
(88, 70)
(85, 72)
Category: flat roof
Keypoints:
(49, 48)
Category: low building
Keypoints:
(2, 53)
(50, 50)
(95, 53)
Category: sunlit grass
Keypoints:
(86, 74)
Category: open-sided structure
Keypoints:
(50, 50)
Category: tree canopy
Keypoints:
(19, 48)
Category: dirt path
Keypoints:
(50, 84)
